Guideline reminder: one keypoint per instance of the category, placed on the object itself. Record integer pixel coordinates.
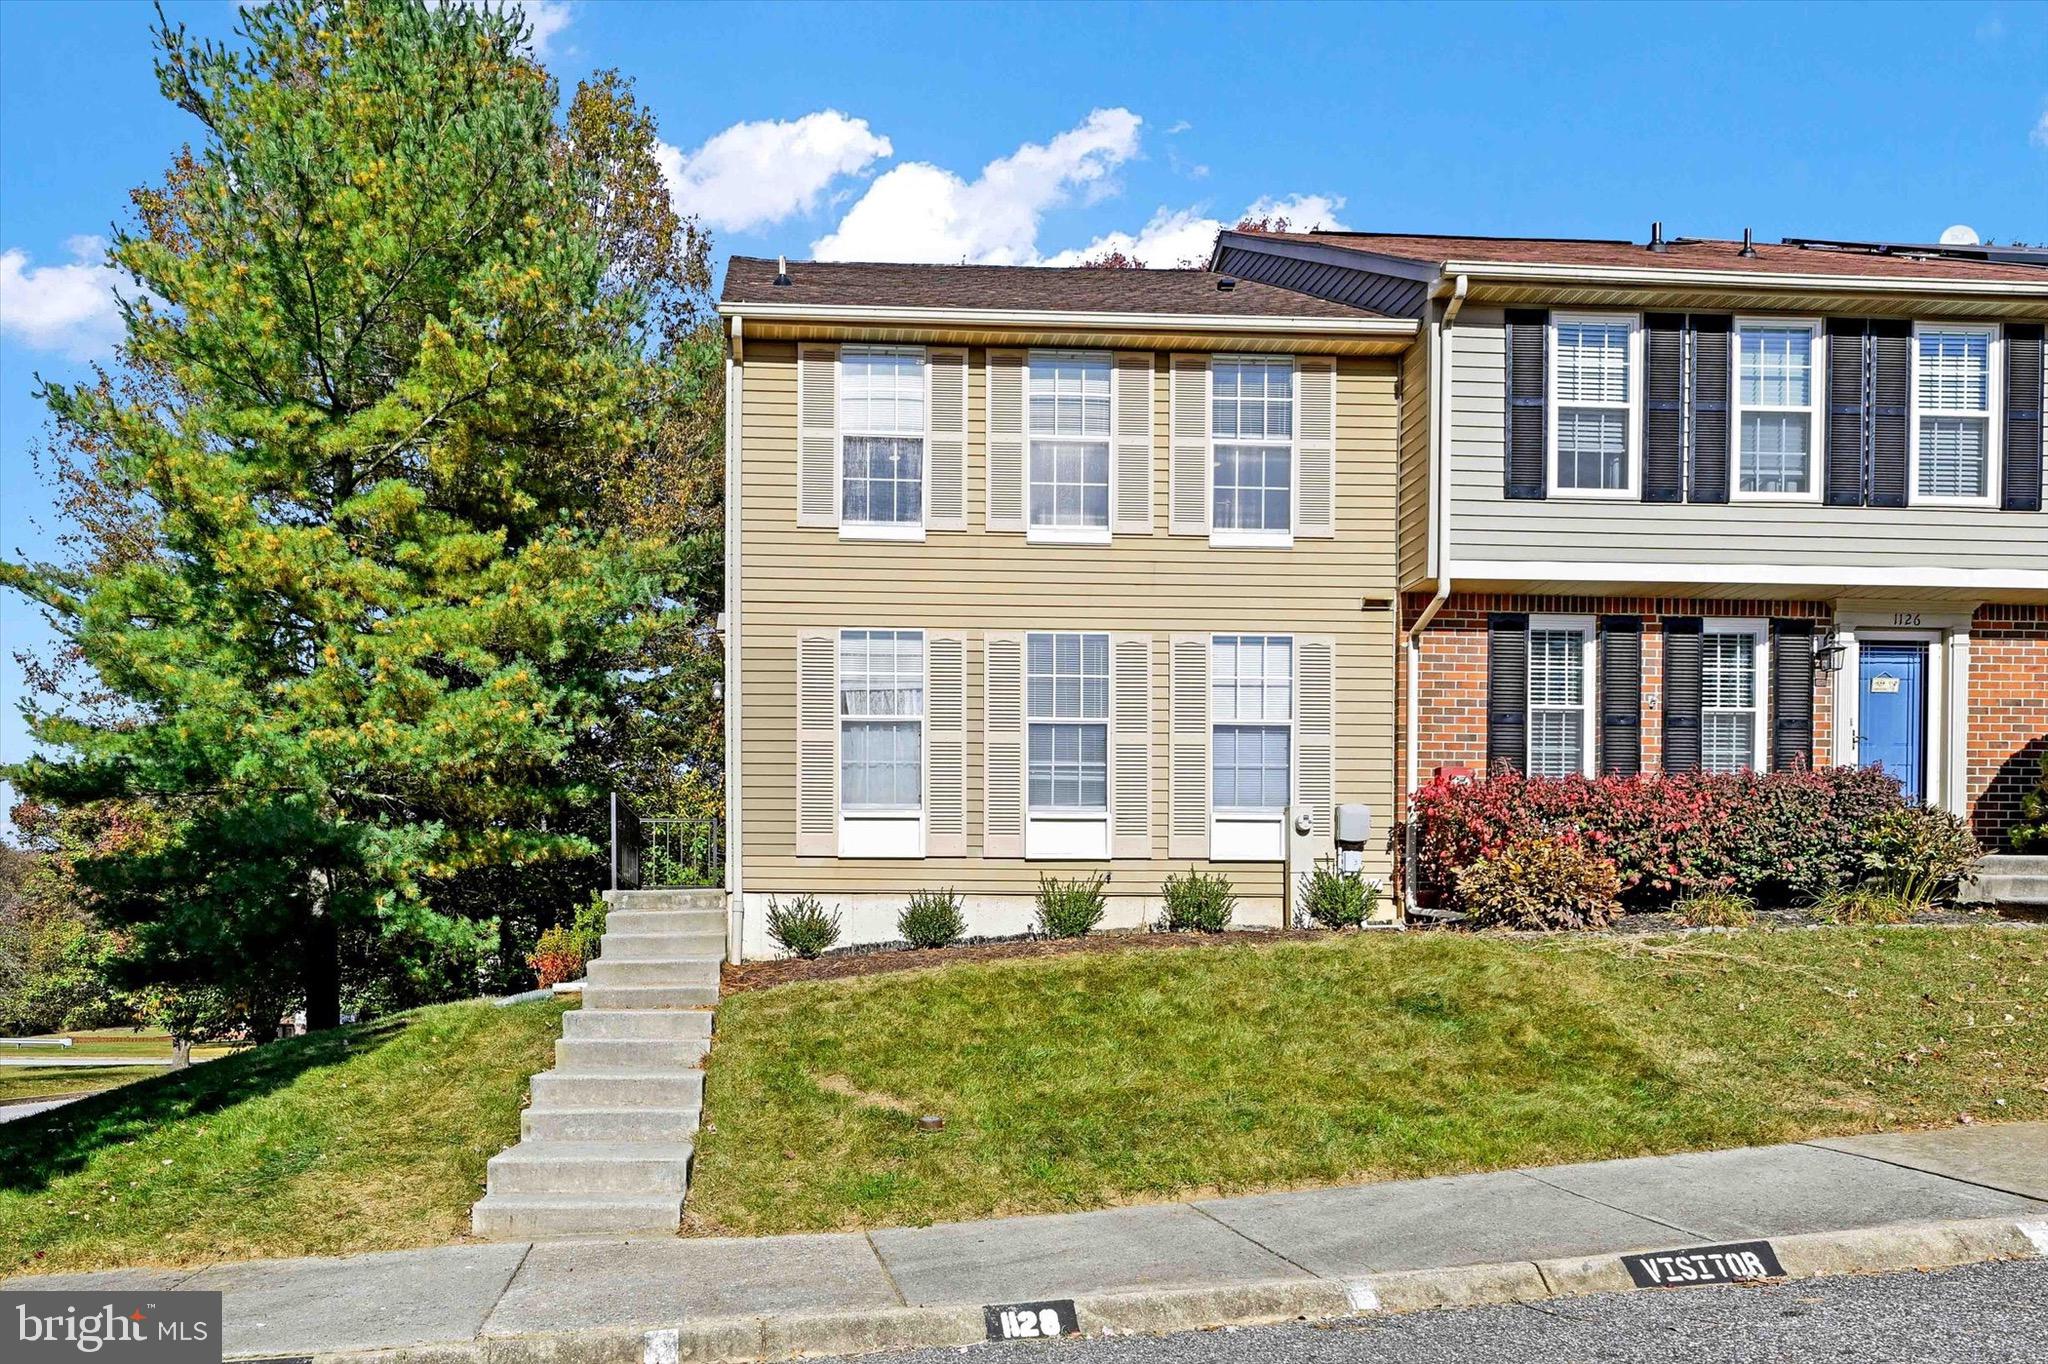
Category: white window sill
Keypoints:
(1067, 535)
(1593, 495)
(1811, 499)
(1251, 837)
(881, 836)
(1063, 838)
(1928, 500)
(1251, 539)
(881, 532)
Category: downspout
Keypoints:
(1439, 511)
(735, 898)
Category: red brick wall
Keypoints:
(2008, 714)
(1452, 707)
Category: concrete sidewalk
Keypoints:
(1228, 1248)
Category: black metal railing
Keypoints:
(662, 852)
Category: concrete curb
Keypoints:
(746, 1339)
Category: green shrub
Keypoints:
(1198, 903)
(803, 927)
(1070, 909)
(2031, 833)
(1337, 899)
(1541, 883)
(1920, 855)
(932, 919)
(1716, 909)
(1865, 904)
(587, 927)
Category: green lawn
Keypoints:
(367, 1138)
(1095, 1079)
(19, 1084)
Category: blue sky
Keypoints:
(1033, 133)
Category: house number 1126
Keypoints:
(1905, 617)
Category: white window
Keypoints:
(1251, 454)
(1251, 718)
(1775, 407)
(1068, 426)
(1066, 714)
(1731, 691)
(881, 742)
(881, 440)
(1560, 681)
(1593, 404)
(1954, 395)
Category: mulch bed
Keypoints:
(886, 958)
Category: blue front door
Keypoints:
(1891, 724)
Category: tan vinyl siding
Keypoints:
(796, 579)
(1415, 396)
(1485, 526)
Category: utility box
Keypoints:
(1354, 827)
(1305, 847)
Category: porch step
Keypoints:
(632, 900)
(626, 941)
(652, 971)
(660, 1024)
(543, 1216)
(2008, 879)
(591, 1167)
(619, 1089)
(596, 996)
(607, 1124)
(664, 920)
(596, 1055)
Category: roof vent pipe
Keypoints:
(1748, 250)
(1225, 285)
(782, 271)
(1657, 237)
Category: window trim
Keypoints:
(1069, 835)
(1759, 632)
(1589, 687)
(1035, 534)
(880, 832)
(1993, 414)
(1632, 411)
(1252, 539)
(1247, 822)
(1815, 436)
(881, 530)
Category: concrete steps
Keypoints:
(2007, 879)
(606, 1143)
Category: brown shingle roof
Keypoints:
(1684, 254)
(750, 279)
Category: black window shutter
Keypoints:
(1791, 695)
(1507, 692)
(1621, 695)
(2024, 361)
(1844, 485)
(1528, 340)
(1682, 693)
(1710, 407)
(1664, 407)
(1891, 352)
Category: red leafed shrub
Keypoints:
(1770, 836)
(557, 957)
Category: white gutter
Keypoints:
(1440, 535)
(1742, 279)
(1011, 318)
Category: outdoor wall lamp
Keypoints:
(1828, 651)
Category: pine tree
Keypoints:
(385, 597)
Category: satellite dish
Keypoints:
(1962, 234)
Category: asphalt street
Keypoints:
(1978, 1314)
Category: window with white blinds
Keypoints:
(1731, 688)
(1251, 713)
(881, 721)
(1593, 396)
(1775, 409)
(1559, 717)
(1251, 427)
(1068, 426)
(882, 436)
(1954, 396)
(1066, 711)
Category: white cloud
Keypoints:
(68, 309)
(922, 212)
(549, 18)
(754, 174)
(1175, 237)
(2039, 137)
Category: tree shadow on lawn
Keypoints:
(38, 1150)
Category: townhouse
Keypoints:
(1689, 505)
(1038, 571)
